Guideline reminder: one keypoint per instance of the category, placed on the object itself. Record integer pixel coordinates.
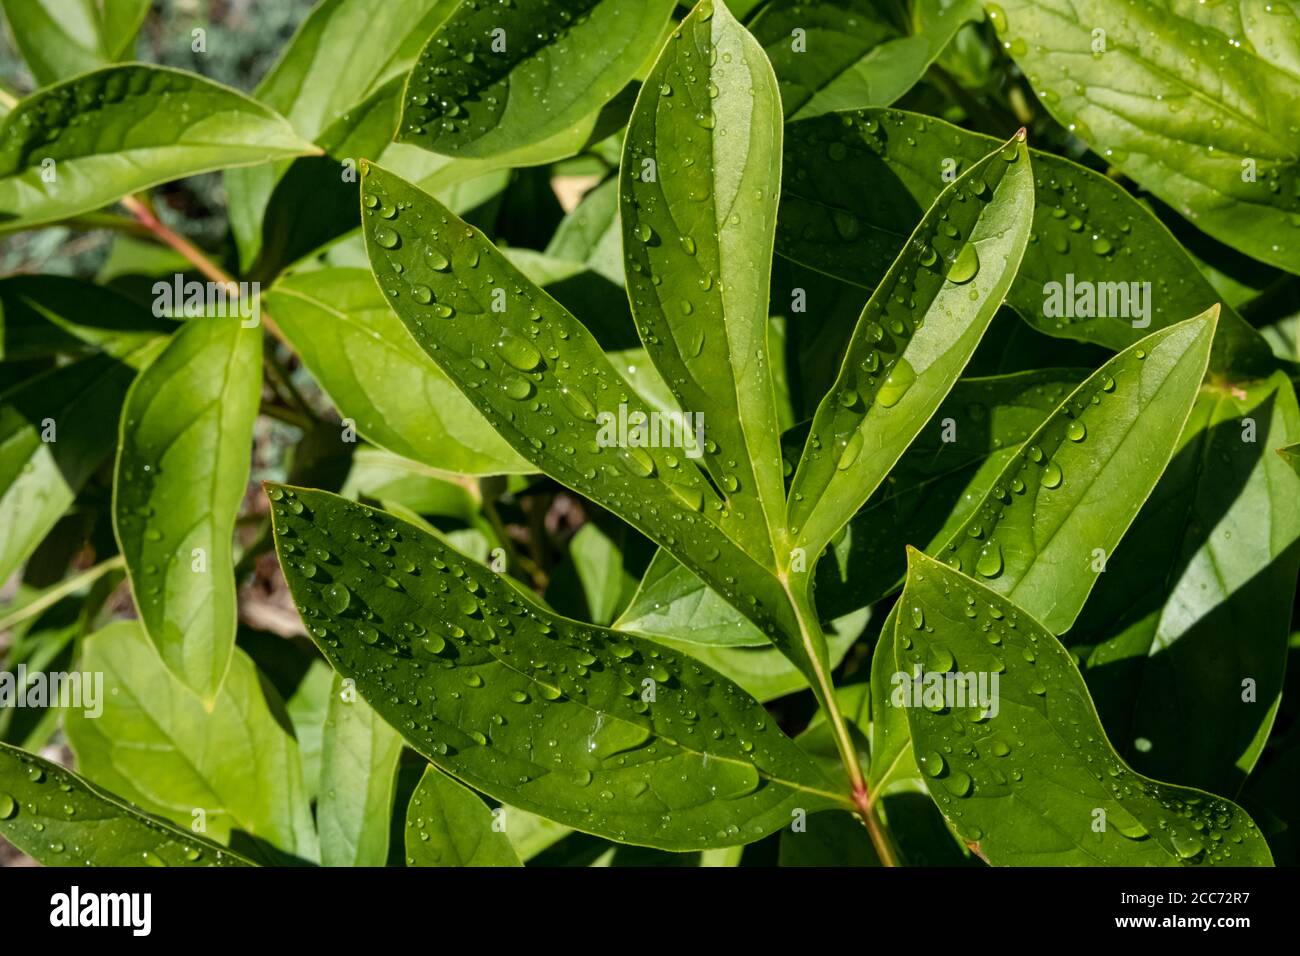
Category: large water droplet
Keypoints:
(337, 598)
(901, 377)
(989, 562)
(964, 265)
(518, 353)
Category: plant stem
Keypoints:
(286, 415)
(808, 628)
(193, 254)
(57, 593)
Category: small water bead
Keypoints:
(8, 806)
(388, 238)
(1051, 475)
(1076, 431)
(436, 260)
(422, 294)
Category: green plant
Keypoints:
(730, 513)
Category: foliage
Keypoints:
(833, 434)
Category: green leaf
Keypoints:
(493, 79)
(59, 819)
(348, 337)
(945, 472)
(471, 676)
(338, 82)
(1291, 455)
(182, 467)
(851, 54)
(159, 746)
(530, 834)
(698, 202)
(912, 340)
(447, 824)
(592, 234)
(1033, 780)
(546, 387)
(308, 706)
(135, 126)
(1036, 533)
(670, 601)
(1086, 226)
(359, 754)
(47, 314)
(765, 673)
(60, 38)
(1195, 605)
(595, 579)
(1220, 144)
(55, 430)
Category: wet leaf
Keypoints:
(1024, 771)
(61, 819)
(552, 716)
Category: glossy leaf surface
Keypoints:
(698, 208)
(149, 125)
(495, 78)
(1037, 782)
(1185, 639)
(60, 819)
(358, 764)
(1205, 118)
(912, 340)
(1090, 237)
(447, 824)
(158, 745)
(182, 467)
(362, 355)
(535, 710)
